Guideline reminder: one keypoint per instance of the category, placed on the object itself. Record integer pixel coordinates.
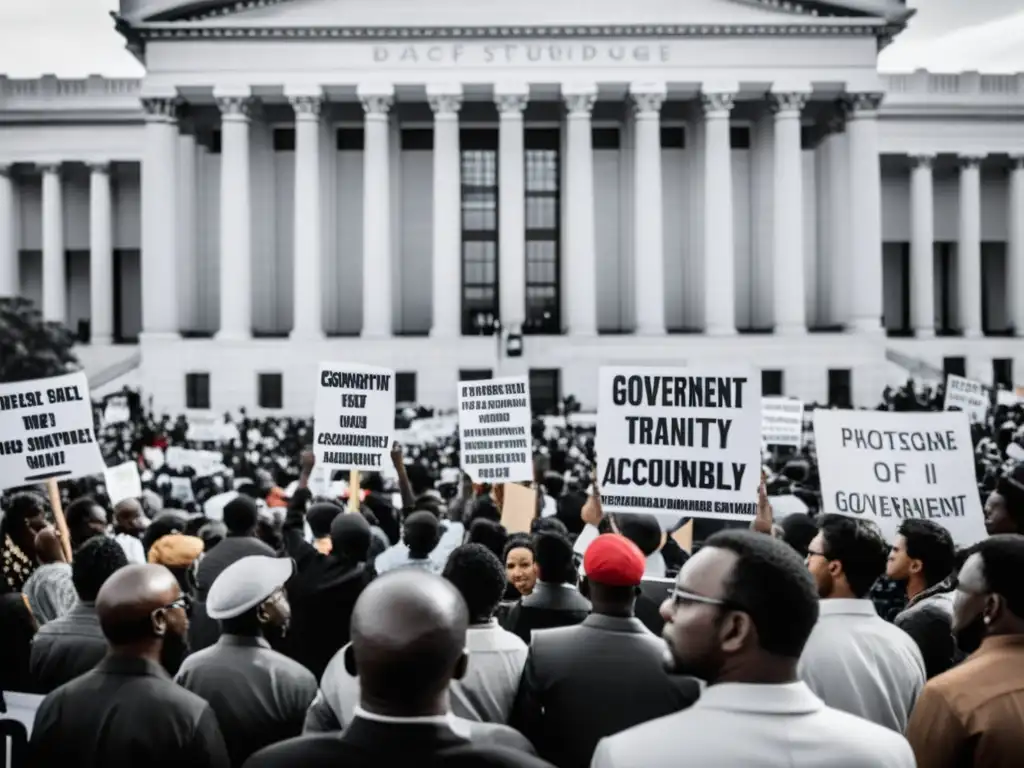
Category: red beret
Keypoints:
(615, 561)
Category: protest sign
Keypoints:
(494, 430)
(204, 463)
(518, 507)
(968, 396)
(46, 431)
(209, 428)
(116, 411)
(890, 466)
(123, 482)
(354, 419)
(679, 441)
(782, 421)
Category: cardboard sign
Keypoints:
(116, 411)
(205, 463)
(354, 420)
(123, 482)
(679, 441)
(968, 396)
(782, 421)
(494, 430)
(518, 508)
(890, 466)
(46, 431)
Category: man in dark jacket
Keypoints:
(610, 667)
(554, 602)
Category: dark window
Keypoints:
(605, 138)
(215, 142)
(284, 139)
(839, 388)
(954, 365)
(350, 139)
(673, 138)
(543, 231)
(739, 137)
(197, 391)
(808, 137)
(405, 387)
(417, 138)
(475, 374)
(944, 306)
(479, 151)
(270, 390)
(545, 391)
(1002, 372)
(771, 383)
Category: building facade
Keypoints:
(388, 182)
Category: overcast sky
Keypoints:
(74, 38)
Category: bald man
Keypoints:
(129, 525)
(408, 644)
(127, 711)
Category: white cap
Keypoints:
(245, 584)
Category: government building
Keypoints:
(411, 184)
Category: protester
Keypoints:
(19, 627)
(127, 711)
(554, 601)
(610, 658)
(49, 589)
(971, 715)
(741, 612)
(645, 531)
(72, 645)
(85, 519)
(320, 517)
(854, 660)
(24, 516)
(1004, 507)
(520, 559)
(259, 696)
(491, 534)
(421, 534)
(129, 525)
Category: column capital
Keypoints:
(376, 100)
(235, 107)
(717, 104)
(579, 99)
(98, 167)
(306, 107)
(647, 98)
(444, 102)
(6, 170)
(788, 102)
(53, 168)
(836, 122)
(162, 109)
(970, 159)
(862, 104)
(511, 104)
(922, 159)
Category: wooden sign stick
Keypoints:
(58, 517)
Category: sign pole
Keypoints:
(353, 490)
(58, 516)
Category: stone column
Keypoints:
(969, 246)
(1015, 245)
(376, 212)
(581, 236)
(511, 100)
(159, 218)
(101, 255)
(837, 156)
(788, 216)
(719, 257)
(308, 222)
(9, 278)
(235, 219)
(865, 212)
(189, 302)
(445, 101)
(54, 270)
(648, 228)
(922, 239)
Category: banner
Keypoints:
(889, 466)
(968, 396)
(494, 430)
(354, 420)
(123, 482)
(782, 421)
(46, 431)
(684, 441)
(210, 428)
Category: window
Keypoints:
(475, 374)
(197, 391)
(270, 390)
(350, 139)
(605, 138)
(479, 151)
(944, 255)
(545, 391)
(955, 365)
(405, 387)
(771, 383)
(839, 388)
(739, 137)
(1002, 372)
(543, 231)
(284, 139)
(417, 138)
(673, 138)
(215, 142)
(808, 137)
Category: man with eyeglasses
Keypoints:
(742, 609)
(128, 711)
(260, 696)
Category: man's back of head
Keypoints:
(480, 578)
(320, 516)
(554, 558)
(95, 562)
(421, 533)
(241, 516)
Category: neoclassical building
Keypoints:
(406, 183)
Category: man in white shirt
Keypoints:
(854, 660)
(738, 617)
(129, 523)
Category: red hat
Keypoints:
(614, 561)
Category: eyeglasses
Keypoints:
(814, 553)
(681, 597)
(184, 602)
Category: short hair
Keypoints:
(858, 545)
(798, 530)
(772, 584)
(79, 510)
(19, 508)
(241, 514)
(519, 541)
(421, 532)
(95, 561)
(479, 576)
(1011, 487)
(489, 533)
(1002, 560)
(546, 524)
(320, 517)
(484, 508)
(419, 478)
(932, 544)
(643, 529)
(553, 553)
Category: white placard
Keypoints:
(205, 463)
(181, 490)
(116, 411)
(22, 708)
(680, 441)
(354, 420)
(46, 431)
(782, 421)
(971, 397)
(209, 428)
(1008, 398)
(123, 482)
(494, 430)
(889, 466)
